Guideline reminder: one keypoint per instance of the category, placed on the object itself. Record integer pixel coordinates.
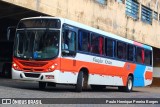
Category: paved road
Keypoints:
(28, 89)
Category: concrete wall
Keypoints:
(110, 17)
(156, 72)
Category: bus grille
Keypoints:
(32, 75)
(33, 64)
(32, 70)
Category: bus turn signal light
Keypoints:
(15, 66)
(52, 68)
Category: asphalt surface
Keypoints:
(29, 89)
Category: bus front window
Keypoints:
(36, 44)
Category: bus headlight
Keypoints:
(52, 67)
(15, 66)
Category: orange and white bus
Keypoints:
(53, 50)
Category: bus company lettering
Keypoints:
(108, 62)
(98, 60)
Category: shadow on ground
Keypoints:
(30, 85)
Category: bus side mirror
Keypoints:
(68, 53)
(11, 32)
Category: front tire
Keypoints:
(80, 82)
(129, 86)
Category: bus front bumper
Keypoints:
(36, 76)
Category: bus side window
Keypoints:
(131, 53)
(94, 44)
(121, 50)
(69, 40)
(140, 55)
(97, 43)
(101, 45)
(109, 47)
(83, 41)
(148, 57)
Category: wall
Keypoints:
(110, 17)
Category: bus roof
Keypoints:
(82, 26)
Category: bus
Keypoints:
(53, 50)
(6, 53)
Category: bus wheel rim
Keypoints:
(130, 84)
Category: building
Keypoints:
(137, 20)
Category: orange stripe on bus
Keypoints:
(128, 68)
(99, 69)
(71, 65)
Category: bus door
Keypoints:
(6, 47)
(68, 49)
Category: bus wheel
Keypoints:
(129, 86)
(80, 81)
(98, 87)
(42, 85)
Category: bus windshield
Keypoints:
(36, 44)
